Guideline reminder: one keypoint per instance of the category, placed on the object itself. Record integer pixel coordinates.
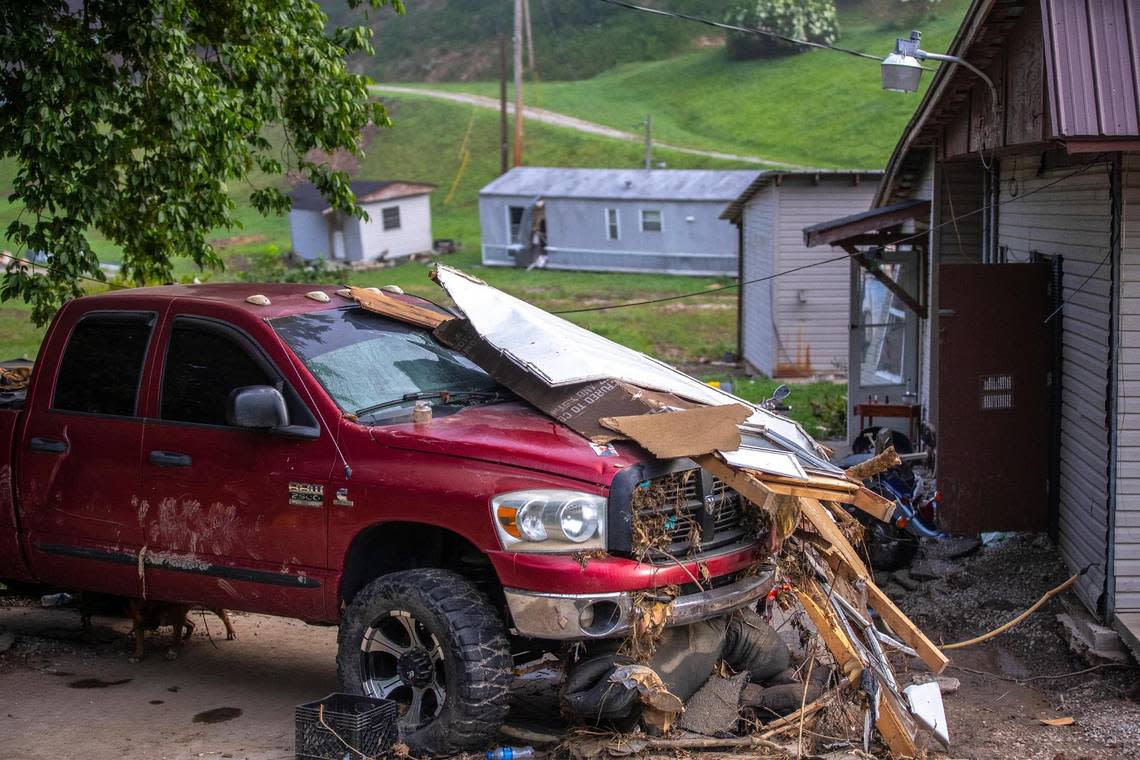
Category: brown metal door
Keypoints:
(993, 410)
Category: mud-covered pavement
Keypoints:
(62, 696)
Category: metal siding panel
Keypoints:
(759, 243)
(1043, 222)
(822, 321)
(1127, 517)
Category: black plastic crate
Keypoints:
(368, 725)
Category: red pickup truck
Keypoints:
(185, 444)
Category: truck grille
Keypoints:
(696, 512)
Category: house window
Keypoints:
(612, 232)
(391, 217)
(514, 221)
(650, 220)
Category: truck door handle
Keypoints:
(170, 459)
(48, 445)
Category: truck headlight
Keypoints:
(550, 520)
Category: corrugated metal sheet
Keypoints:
(1092, 59)
(629, 184)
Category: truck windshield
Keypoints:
(365, 361)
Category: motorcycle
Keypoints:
(892, 545)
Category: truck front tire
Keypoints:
(430, 641)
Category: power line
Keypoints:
(51, 268)
(1081, 170)
(745, 29)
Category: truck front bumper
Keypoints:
(605, 615)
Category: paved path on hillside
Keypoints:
(571, 122)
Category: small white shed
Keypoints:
(398, 224)
(795, 325)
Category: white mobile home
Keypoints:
(612, 220)
(398, 224)
(794, 325)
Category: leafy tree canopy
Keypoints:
(131, 116)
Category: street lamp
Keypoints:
(902, 70)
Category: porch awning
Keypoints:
(867, 227)
(874, 229)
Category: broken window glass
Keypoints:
(363, 359)
(884, 328)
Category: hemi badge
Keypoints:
(341, 499)
(306, 494)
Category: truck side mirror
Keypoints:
(257, 406)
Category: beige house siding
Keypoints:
(1127, 560)
(758, 339)
(1072, 219)
(960, 191)
(812, 306)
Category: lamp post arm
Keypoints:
(923, 55)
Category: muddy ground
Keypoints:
(62, 696)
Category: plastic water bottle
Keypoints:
(510, 753)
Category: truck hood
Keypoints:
(517, 435)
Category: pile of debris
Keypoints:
(793, 494)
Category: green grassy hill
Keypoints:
(457, 40)
(425, 145)
(819, 108)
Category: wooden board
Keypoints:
(385, 305)
(905, 629)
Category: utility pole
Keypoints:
(529, 37)
(518, 83)
(504, 141)
(648, 142)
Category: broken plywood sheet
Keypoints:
(685, 433)
(381, 303)
(560, 353)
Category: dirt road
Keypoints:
(63, 697)
(571, 122)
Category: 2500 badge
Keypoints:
(306, 494)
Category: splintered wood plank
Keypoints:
(905, 629)
(866, 500)
(394, 308)
(834, 637)
(896, 726)
(742, 482)
(823, 523)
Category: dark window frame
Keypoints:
(149, 318)
(308, 426)
(384, 218)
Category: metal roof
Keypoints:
(622, 184)
(1092, 61)
(306, 196)
(733, 211)
(865, 221)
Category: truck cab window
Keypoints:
(102, 364)
(202, 367)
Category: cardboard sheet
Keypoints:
(685, 433)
